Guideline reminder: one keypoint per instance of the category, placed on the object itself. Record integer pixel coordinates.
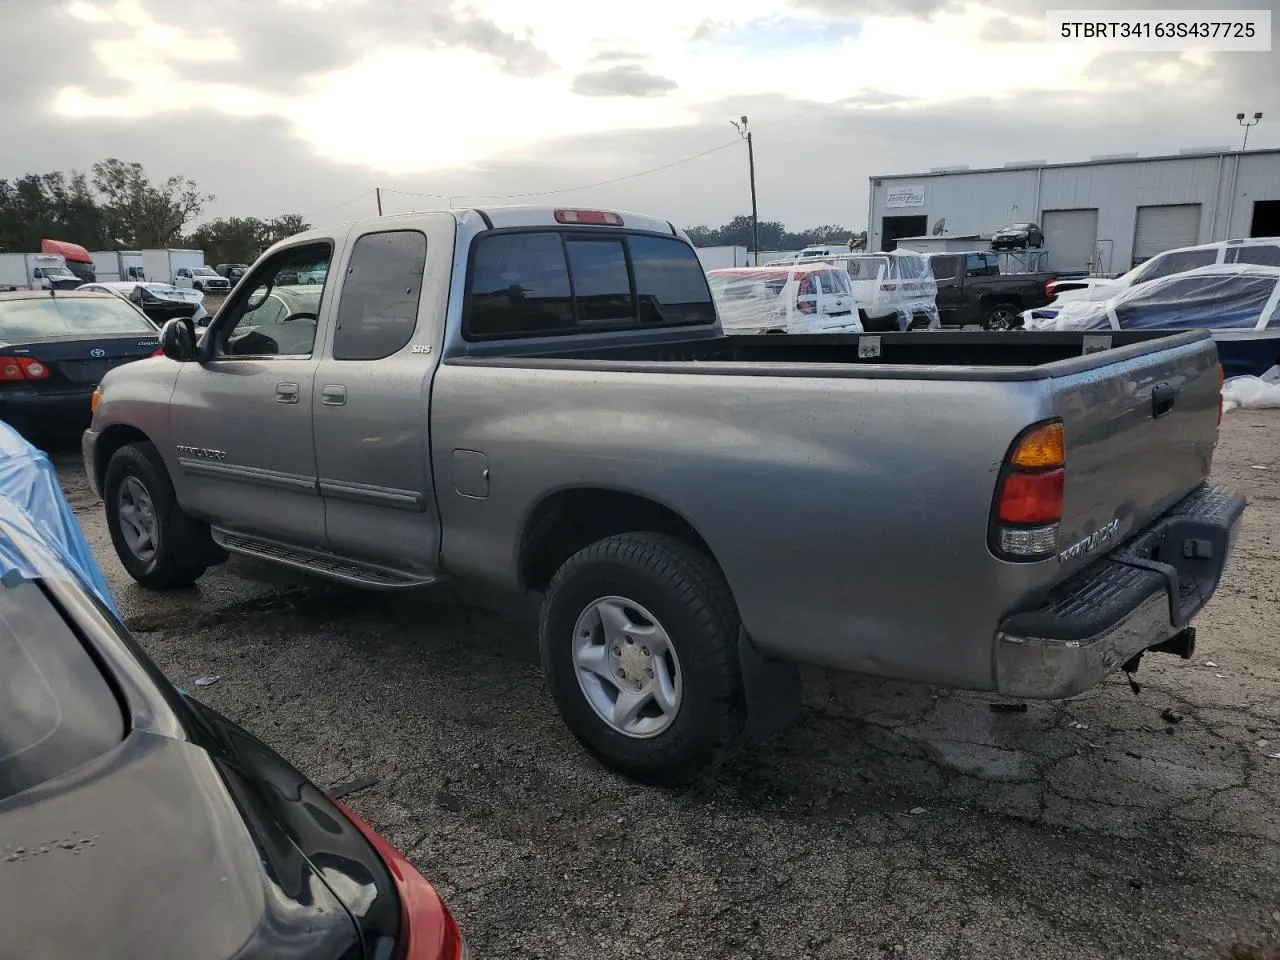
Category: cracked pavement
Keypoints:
(893, 820)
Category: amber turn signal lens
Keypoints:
(95, 400)
(1044, 448)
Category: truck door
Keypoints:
(372, 397)
(242, 420)
(950, 297)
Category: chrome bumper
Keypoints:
(1142, 595)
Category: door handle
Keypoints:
(1162, 398)
(333, 395)
(286, 393)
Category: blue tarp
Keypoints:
(32, 506)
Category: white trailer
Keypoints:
(717, 258)
(113, 265)
(36, 271)
(162, 266)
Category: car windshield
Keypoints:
(867, 268)
(204, 272)
(56, 710)
(55, 317)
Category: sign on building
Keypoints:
(905, 196)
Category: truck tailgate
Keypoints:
(1140, 435)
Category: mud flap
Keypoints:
(770, 690)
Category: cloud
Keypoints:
(874, 98)
(862, 9)
(624, 80)
(612, 56)
(1008, 30)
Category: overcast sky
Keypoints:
(304, 105)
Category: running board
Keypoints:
(321, 564)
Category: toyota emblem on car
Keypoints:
(97, 352)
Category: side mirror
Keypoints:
(178, 340)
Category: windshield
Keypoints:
(204, 272)
(56, 317)
(56, 710)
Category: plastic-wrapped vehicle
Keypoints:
(796, 299)
(1262, 251)
(1238, 303)
(895, 291)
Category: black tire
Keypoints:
(1001, 316)
(688, 595)
(888, 324)
(184, 548)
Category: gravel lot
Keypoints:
(894, 820)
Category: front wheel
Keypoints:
(639, 646)
(158, 544)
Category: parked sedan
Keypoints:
(55, 347)
(1017, 236)
(159, 301)
(1238, 303)
(136, 822)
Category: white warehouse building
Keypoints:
(1106, 215)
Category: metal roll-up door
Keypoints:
(1069, 239)
(1165, 228)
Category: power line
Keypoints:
(344, 203)
(585, 186)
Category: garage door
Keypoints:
(1069, 238)
(1165, 228)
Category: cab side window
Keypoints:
(274, 312)
(378, 308)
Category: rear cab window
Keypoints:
(378, 305)
(544, 282)
(57, 711)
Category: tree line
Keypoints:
(117, 206)
(773, 235)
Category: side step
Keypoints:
(321, 564)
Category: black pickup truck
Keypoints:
(971, 289)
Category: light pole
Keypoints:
(741, 127)
(1240, 118)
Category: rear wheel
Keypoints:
(639, 646)
(158, 544)
(1001, 316)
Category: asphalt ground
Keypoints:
(893, 820)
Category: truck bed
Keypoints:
(834, 489)
(942, 355)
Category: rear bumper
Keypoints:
(1139, 597)
(32, 413)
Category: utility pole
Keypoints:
(1247, 124)
(741, 127)
(377, 192)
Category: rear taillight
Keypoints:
(427, 930)
(22, 368)
(890, 287)
(1222, 378)
(1048, 287)
(158, 352)
(1029, 494)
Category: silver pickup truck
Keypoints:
(542, 401)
